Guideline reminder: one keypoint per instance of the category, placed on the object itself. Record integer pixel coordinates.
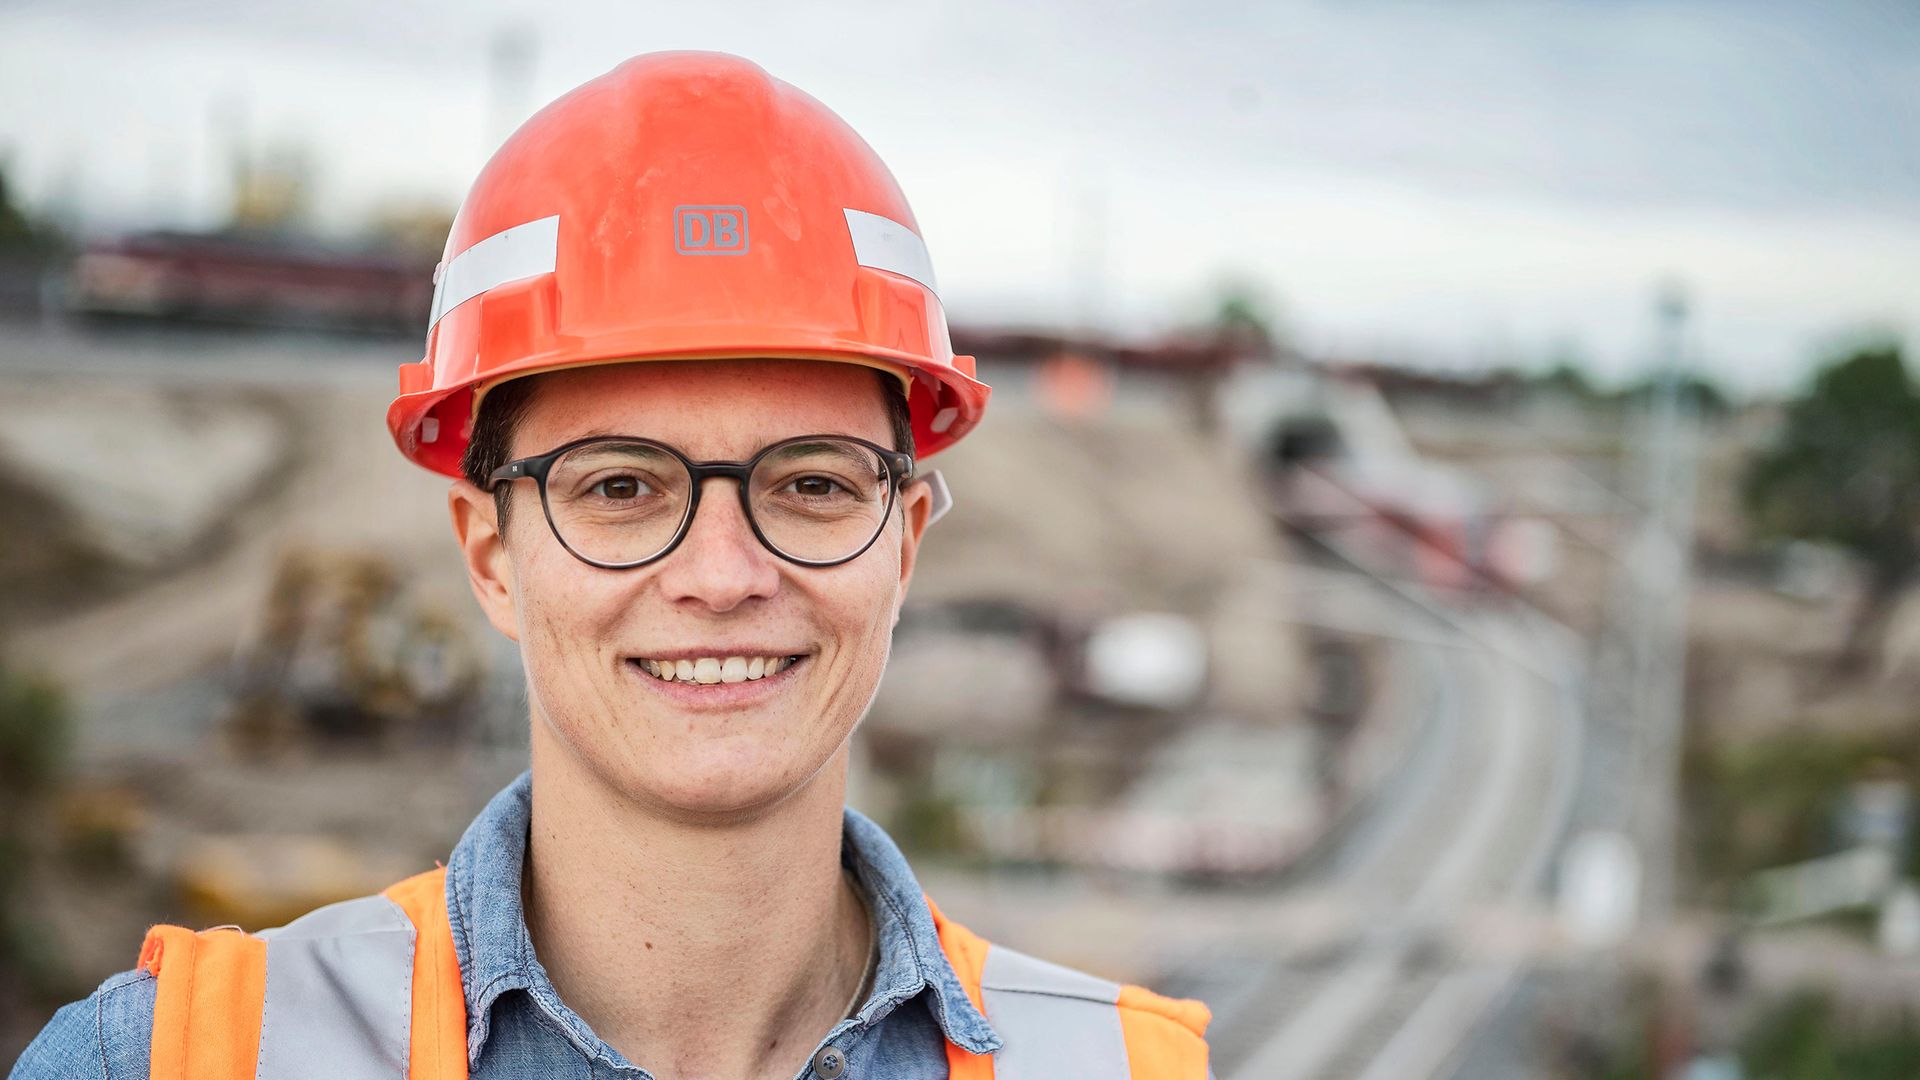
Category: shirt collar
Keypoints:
(911, 958)
(483, 899)
(496, 954)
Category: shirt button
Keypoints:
(829, 1063)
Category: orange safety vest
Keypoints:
(369, 989)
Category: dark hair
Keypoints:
(502, 409)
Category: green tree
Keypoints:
(15, 230)
(1845, 470)
(1568, 379)
(1244, 317)
(22, 233)
(1701, 395)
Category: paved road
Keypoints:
(1469, 819)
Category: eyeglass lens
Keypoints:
(623, 502)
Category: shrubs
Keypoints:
(1774, 800)
(33, 749)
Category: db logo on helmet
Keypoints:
(710, 230)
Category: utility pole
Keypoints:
(511, 53)
(1087, 255)
(1637, 689)
(1660, 568)
(229, 121)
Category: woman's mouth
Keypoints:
(716, 670)
(719, 684)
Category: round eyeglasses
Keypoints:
(617, 502)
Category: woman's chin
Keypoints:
(719, 791)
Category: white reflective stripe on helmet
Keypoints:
(1058, 1023)
(885, 244)
(523, 251)
(339, 1002)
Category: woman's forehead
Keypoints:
(708, 407)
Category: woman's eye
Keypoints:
(620, 487)
(817, 486)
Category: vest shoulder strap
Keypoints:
(438, 1036)
(365, 989)
(1057, 1022)
(209, 994)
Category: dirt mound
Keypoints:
(1119, 513)
(51, 563)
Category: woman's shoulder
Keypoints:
(107, 1033)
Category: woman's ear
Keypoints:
(916, 507)
(476, 527)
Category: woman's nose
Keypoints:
(720, 563)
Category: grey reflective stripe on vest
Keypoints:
(1059, 1024)
(339, 994)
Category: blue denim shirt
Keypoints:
(517, 1026)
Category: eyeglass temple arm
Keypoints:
(510, 471)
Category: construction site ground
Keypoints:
(179, 471)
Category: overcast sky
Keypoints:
(1447, 183)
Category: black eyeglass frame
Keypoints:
(899, 469)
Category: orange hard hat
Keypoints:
(685, 205)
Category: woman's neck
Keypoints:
(710, 951)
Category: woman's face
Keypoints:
(588, 635)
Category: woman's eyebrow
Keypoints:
(824, 443)
(623, 449)
(848, 451)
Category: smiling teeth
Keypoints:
(717, 669)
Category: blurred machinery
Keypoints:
(1147, 663)
(1102, 743)
(343, 655)
(1339, 468)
